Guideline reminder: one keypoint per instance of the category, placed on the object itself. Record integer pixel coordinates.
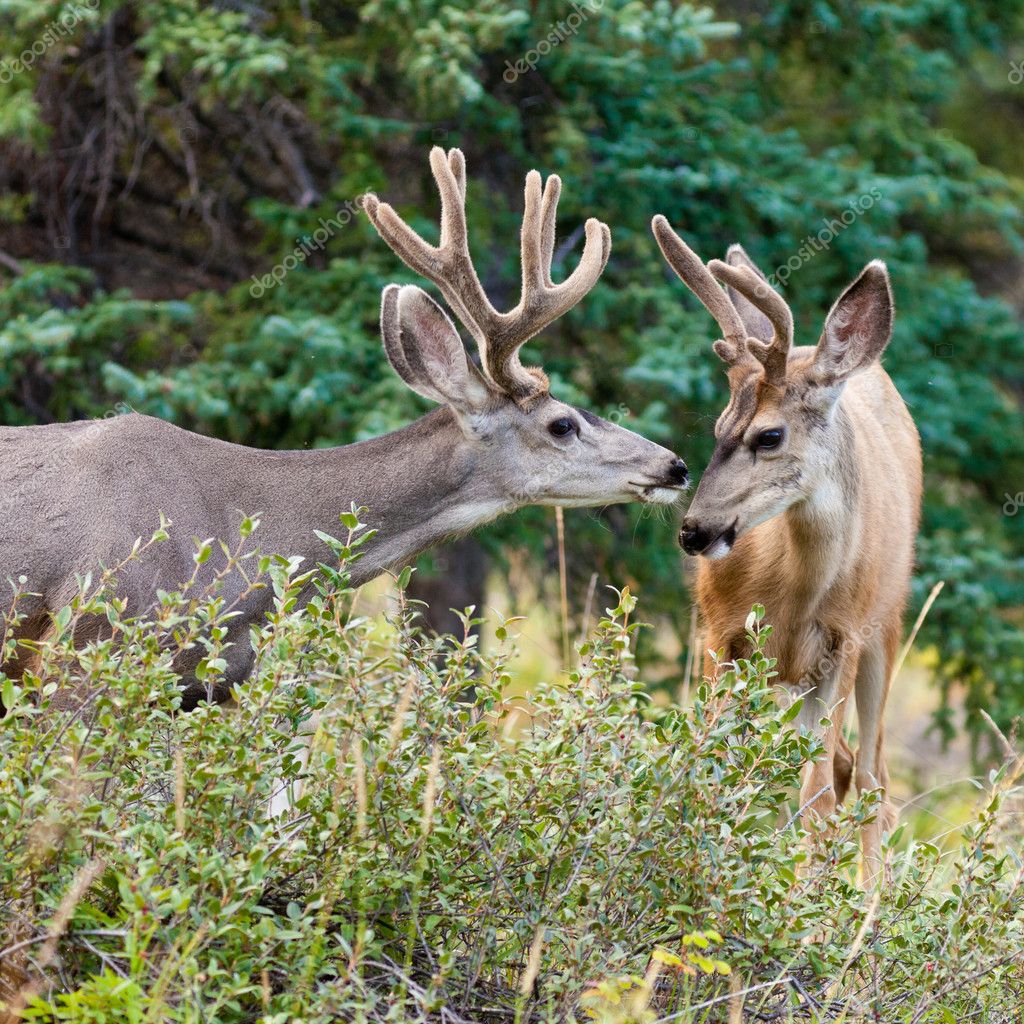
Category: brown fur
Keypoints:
(820, 529)
(833, 578)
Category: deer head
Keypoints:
(782, 432)
(539, 450)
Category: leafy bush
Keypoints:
(444, 853)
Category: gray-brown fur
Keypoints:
(76, 496)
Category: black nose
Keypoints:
(695, 538)
(692, 538)
(677, 473)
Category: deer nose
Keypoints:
(696, 538)
(677, 473)
(690, 537)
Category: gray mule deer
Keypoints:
(497, 442)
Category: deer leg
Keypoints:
(871, 773)
(842, 768)
(826, 703)
(31, 629)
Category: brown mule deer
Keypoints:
(809, 506)
(499, 441)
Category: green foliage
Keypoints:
(442, 848)
(736, 126)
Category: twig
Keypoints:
(683, 697)
(84, 878)
(568, 245)
(588, 607)
(13, 265)
(787, 980)
(869, 919)
(1008, 750)
(564, 585)
(800, 810)
(913, 633)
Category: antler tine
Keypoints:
(531, 241)
(411, 249)
(774, 355)
(692, 272)
(457, 164)
(450, 174)
(499, 336)
(447, 264)
(548, 217)
(597, 247)
(542, 301)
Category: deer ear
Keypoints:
(426, 351)
(857, 328)
(757, 325)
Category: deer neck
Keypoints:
(420, 486)
(819, 532)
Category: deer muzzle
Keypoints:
(712, 540)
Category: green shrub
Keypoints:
(446, 854)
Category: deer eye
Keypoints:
(768, 439)
(561, 427)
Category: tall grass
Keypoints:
(609, 859)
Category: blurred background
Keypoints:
(179, 231)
